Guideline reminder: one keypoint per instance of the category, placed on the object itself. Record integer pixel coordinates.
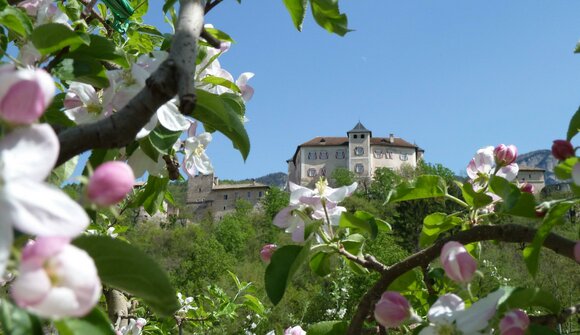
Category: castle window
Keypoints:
(362, 136)
(249, 195)
(359, 168)
(354, 136)
(323, 155)
(530, 176)
(312, 172)
(225, 197)
(323, 172)
(340, 154)
(389, 155)
(403, 157)
(378, 153)
(359, 151)
(312, 155)
(260, 194)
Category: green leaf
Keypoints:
(515, 202)
(163, 139)
(535, 329)
(354, 244)
(404, 282)
(84, 70)
(564, 169)
(216, 114)
(554, 216)
(435, 224)
(328, 16)
(63, 172)
(320, 263)
(221, 82)
(424, 187)
(16, 20)
(220, 35)
(328, 328)
(100, 48)
(360, 221)
(297, 10)
(574, 126)
(168, 4)
(96, 323)
(16, 321)
(520, 297)
(123, 266)
(473, 198)
(151, 197)
(52, 37)
(254, 304)
(283, 265)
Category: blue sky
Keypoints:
(452, 76)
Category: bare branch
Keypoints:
(505, 233)
(552, 320)
(174, 76)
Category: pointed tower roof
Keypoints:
(359, 128)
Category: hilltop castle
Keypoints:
(358, 152)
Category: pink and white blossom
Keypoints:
(56, 279)
(505, 154)
(449, 316)
(134, 327)
(482, 166)
(27, 203)
(292, 222)
(459, 265)
(24, 94)
(267, 252)
(527, 188)
(392, 310)
(515, 322)
(110, 183)
(296, 330)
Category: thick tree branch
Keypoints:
(174, 76)
(552, 320)
(505, 233)
(184, 51)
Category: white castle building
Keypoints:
(359, 152)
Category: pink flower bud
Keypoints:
(110, 183)
(505, 154)
(24, 94)
(515, 322)
(267, 252)
(392, 309)
(296, 330)
(562, 149)
(577, 251)
(56, 279)
(459, 265)
(527, 188)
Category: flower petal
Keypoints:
(444, 308)
(40, 209)
(28, 153)
(476, 318)
(170, 117)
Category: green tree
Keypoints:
(342, 177)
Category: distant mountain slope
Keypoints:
(276, 179)
(542, 159)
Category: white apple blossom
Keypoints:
(83, 104)
(448, 315)
(27, 203)
(195, 159)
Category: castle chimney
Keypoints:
(216, 181)
(391, 138)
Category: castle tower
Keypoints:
(359, 147)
